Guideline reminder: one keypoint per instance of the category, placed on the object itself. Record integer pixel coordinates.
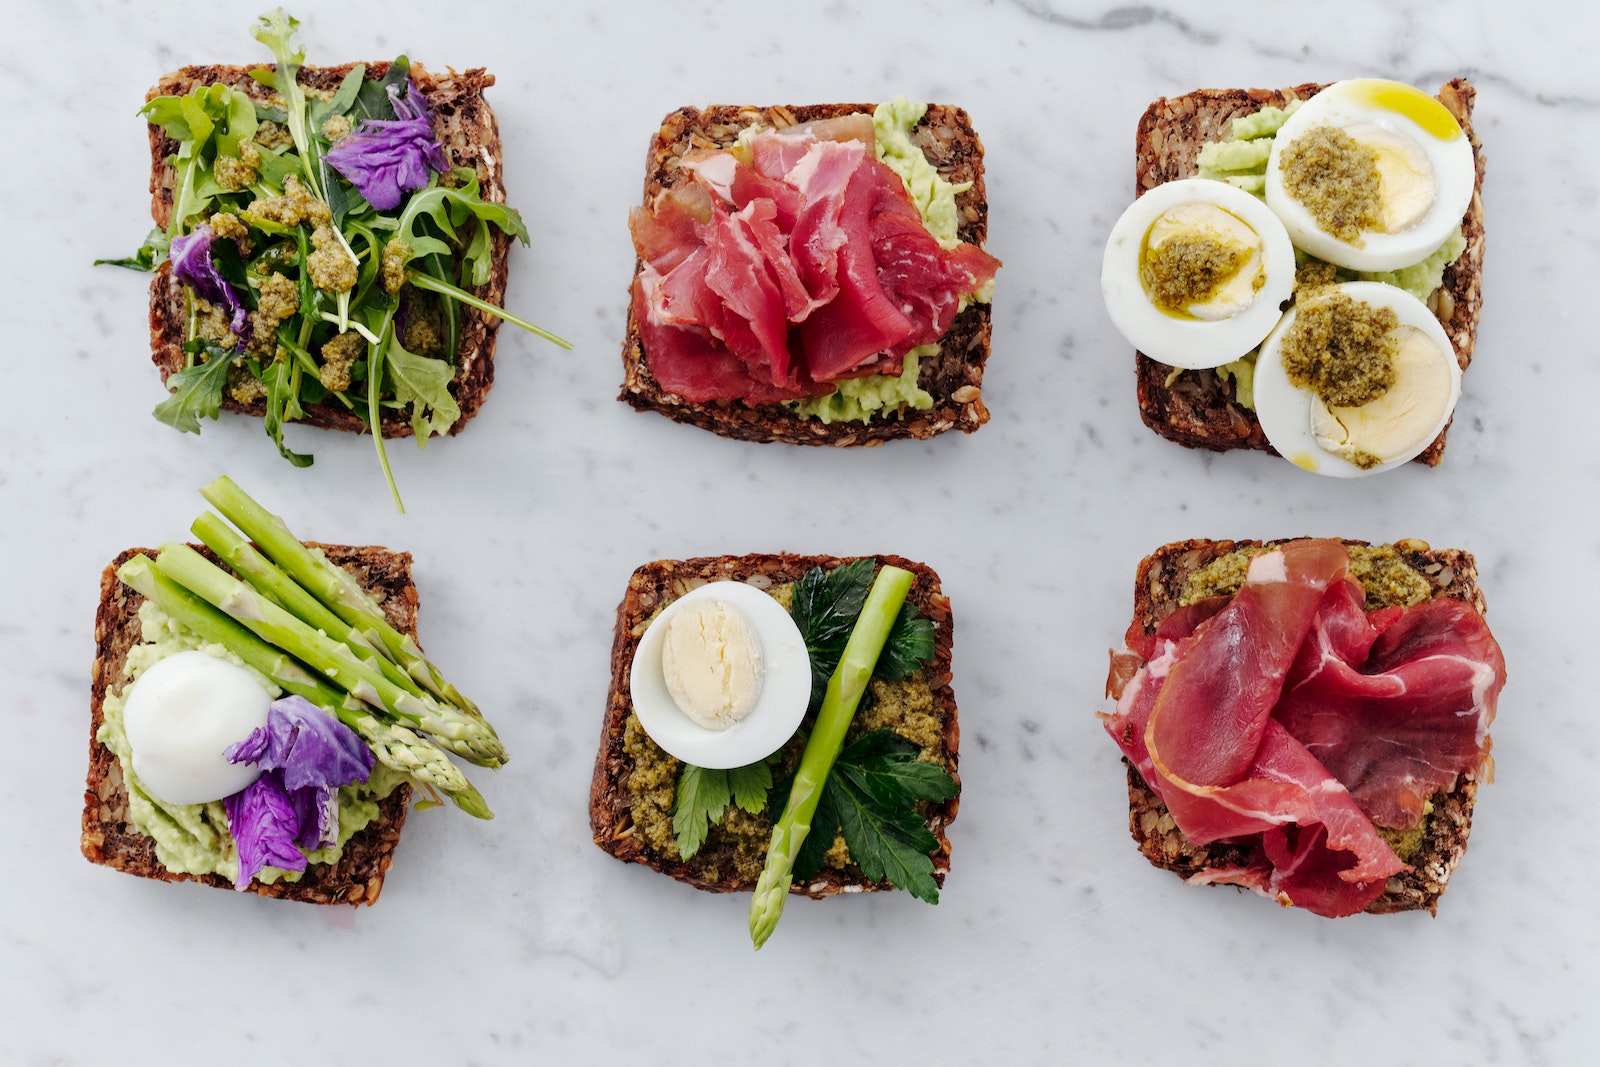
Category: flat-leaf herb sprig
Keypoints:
(326, 246)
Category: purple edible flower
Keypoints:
(192, 264)
(306, 755)
(262, 819)
(387, 158)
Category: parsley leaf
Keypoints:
(196, 392)
(825, 606)
(871, 797)
(703, 795)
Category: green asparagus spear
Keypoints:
(284, 591)
(463, 735)
(395, 746)
(331, 585)
(845, 688)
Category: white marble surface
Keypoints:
(519, 941)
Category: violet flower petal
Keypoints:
(190, 255)
(387, 158)
(263, 821)
(310, 754)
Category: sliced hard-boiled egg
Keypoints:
(181, 715)
(1370, 174)
(1346, 439)
(1196, 272)
(721, 677)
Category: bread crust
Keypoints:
(954, 378)
(1157, 587)
(109, 839)
(467, 128)
(1198, 409)
(654, 584)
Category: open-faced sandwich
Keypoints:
(261, 712)
(812, 274)
(1307, 719)
(330, 244)
(1300, 271)
(782, 724)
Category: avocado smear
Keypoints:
(194, 838)
(859, 399)
(737, 844)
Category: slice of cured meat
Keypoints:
(1293, 718)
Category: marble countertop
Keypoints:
(519, 941)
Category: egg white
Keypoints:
(785, 685)
(1285, 410)
(1185, 342)
(181, 715)
(1348, 103)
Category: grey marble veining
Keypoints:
(517, 940)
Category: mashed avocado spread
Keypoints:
(859, 399)
(194, 838)
(737, 845)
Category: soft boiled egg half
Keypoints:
(1352, 441)
(1196, 273)
(181, 715)
(1319, 175)
(721, 677)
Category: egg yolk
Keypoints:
(1400, 421)
(1201, 261)
(711, 660)
(1407, 187)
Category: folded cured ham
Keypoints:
(1301, 734)
(788, 263)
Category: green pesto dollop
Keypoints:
(859, 399)
(194, 838)
(1188, 269)
(1335, 177)
(736, 844)
(1341, 349)
(1385, 576)
(892, 123)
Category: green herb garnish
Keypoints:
(826, 605)
(348, 303)
(703, 795)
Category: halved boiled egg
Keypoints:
(721, 677)
(1337, 427)
(1196, 272)
(1370, 174)
(181, 715)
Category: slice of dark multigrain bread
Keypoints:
(465, 126)
(108, 839)
(1198, 409)
(654, 585)
(1156, 591)
(954, 379)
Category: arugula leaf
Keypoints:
(372, 102)
(343, 98)
(871, 798)
(211, 120)
(423, 383)
(703, 795)
(196, 392)
(283, 404)
(146, 257)
(701, 798)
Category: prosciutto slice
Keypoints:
(1290, 717)
(797, 262)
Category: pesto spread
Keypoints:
(1336, 178)
(736, 846)
(1342, 350)
(194, 838)
(1189, 269)
(1385, 576)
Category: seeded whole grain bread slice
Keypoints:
(653, 586)
(1156, 592)
(1198, 409)
(954, 378)
(465, 126)
(108, 838)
